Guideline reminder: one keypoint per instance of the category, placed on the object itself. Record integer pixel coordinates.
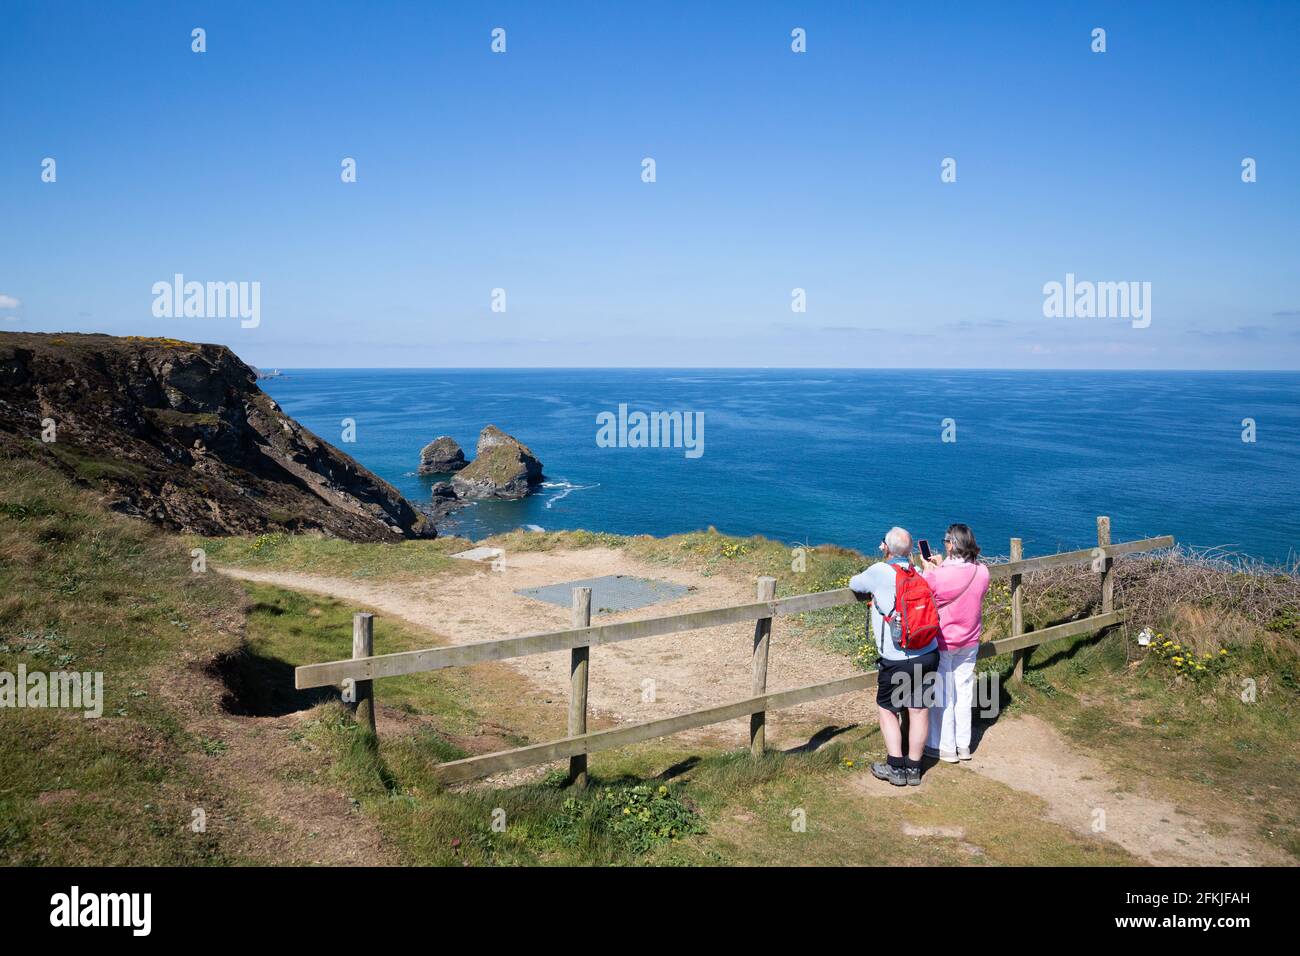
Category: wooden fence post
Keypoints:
(762, 641)
(1107, 566)
(579, 659)
(363, 645)
(1018, 609)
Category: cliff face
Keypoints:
(180, 434)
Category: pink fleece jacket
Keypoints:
(959, 610)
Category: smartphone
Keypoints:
(925, 548)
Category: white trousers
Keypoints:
(950, 719)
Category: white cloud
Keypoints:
(8, 302)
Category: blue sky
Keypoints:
(775, 171)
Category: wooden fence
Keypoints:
(365, 666)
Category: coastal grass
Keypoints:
(1219, 742)
(287, 629)
(84, 589)
(666, 805)
(1186, 735)
(88, 591)
(315, 553)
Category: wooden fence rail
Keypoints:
(365, 666)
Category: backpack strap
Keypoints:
(973, 576)
(899, 570)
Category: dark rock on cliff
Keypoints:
(503, 467)
(442, 501)
(441, 456)
(180, 434)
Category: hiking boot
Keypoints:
(963, 753)
(913, 775)
(895, 775)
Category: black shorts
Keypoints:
(903, 684)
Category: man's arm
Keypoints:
(864, 582)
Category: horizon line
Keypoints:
(745, 368)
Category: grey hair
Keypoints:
(899, 542)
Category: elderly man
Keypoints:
(906, 674)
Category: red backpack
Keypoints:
(914, 618)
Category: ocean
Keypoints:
(838, 456)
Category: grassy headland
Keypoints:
(197, 673)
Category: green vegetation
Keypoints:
(288, 628)
(173, 418)
(90, 468)
(668, 806)
(89, 591)
(318, 554)
(162, 342)
(1221, 740)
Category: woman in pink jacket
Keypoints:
(959, 583)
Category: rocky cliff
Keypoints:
(180, 434)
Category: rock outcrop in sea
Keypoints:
(180, 434)
(503, 467)
(442, 501)
(441, 456)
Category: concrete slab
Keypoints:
(613, 592)
(479, 554)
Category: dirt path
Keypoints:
(712, 666)
(278, 807)
(688, 671)
(1027, 754)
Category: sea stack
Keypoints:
(503, 467)
(441, 456)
